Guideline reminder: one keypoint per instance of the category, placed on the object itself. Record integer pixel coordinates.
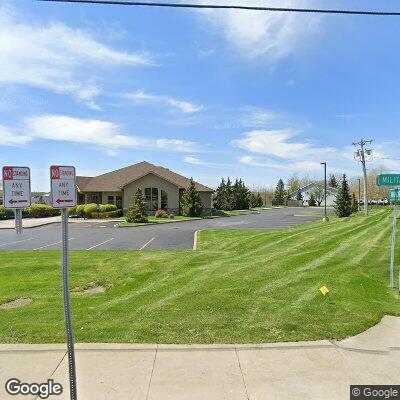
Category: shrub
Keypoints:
(107, 208)
(89, 209)
(72, 211)
(6, 213)
(41, 211)
(81, 209)
(171, 216)
(160, 213)
(137, 211)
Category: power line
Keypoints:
(233, 7)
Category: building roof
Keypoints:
(329, 189)
(114, 181)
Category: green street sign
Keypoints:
(388, 180)
(394, 195)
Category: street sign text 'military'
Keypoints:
(388, 180)
(16, 187)
(63, 186)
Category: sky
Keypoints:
(208, 94)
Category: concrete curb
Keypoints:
(195, 239)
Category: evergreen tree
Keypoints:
(191, 201)
(299, 197)
(333, 181)
(137, 212)
(260, 201)
(279, 194)
(241, 195)
(354, 203)
(220, 195)
(343, 201)
(311, 201)
(229, 200)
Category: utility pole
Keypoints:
(360, 156)
(325, 187)
(359, 194)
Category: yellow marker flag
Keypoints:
(324, 290)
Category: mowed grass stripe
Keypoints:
(240, 287)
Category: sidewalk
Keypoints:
(36, 222)
(304, 370)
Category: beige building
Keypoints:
(161, 188)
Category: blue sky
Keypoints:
(207, 94)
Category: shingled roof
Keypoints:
(114, 181)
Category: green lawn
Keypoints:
(239, 287)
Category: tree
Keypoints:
(191, 201)
(311, 200)
(279, 194)
(299, 197)
(241, 195)
(332, 182)
(137, 212)
(293, 184)
(343, 201)
(220, 195)
(256, 200)
(354, 203)
(319, 192)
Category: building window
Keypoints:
(95, 199)
(151, 197)
(164, 200)
(118, 201)
(110, 200)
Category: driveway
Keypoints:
(101, 235)
(296, 371)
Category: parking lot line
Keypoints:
(51, 244)
(19, 241)
(97, 245)
(146, 244)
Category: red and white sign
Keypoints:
(63, 186)
(16, 187)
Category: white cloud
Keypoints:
(185, 107)
(280, 143)
(192, 160)
(267, 35)
(97, 133)
(7, 138)
(303, 166)
(256, 117)
(56, 57)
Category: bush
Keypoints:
(171, 216)
(81, 209)
(6, 213)
(89, 209)
(107, 208)
(72, 211)
(41, 211)
(160, 213)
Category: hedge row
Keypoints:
(34, 211)
(96, 211)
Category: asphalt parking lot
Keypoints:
(91, 236)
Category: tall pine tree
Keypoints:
(333, 181)
(343, 200)
(191, 201)
(279, 194)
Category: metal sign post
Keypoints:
(17, 192)
(63, 190)
(394, 196)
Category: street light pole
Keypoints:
(326, 215)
